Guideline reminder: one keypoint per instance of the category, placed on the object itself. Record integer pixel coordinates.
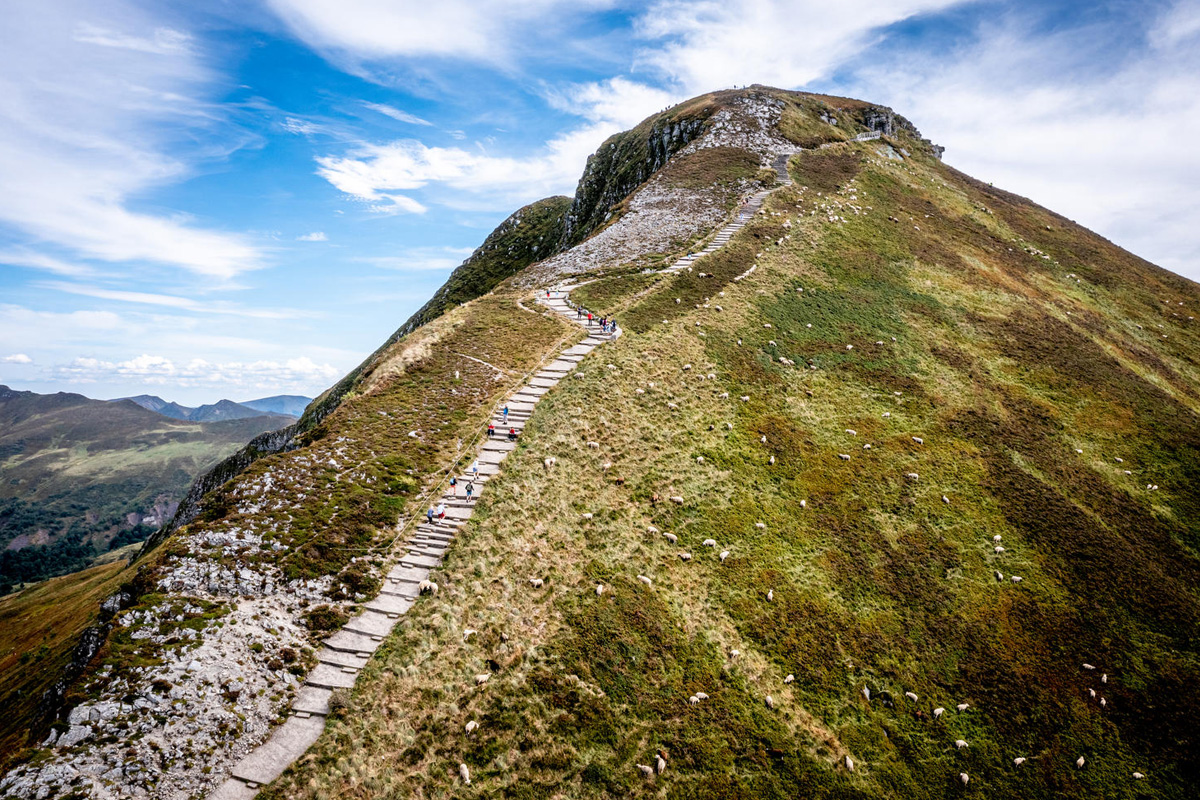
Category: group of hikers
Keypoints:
(607, 324)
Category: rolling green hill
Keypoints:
(926, 453)
(80, 477)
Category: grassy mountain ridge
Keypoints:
(888, 368)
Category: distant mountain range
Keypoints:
(290, 405)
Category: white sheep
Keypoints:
(771, 460)
(844, 456)
(709, 543)
(745, 398)
(599, 589)
(685, 556)
(728, 425)
(1088, 667)
(645, 580)
(964, 777)
(849, 763)
(866, 692)
(724, 555)
(762, 526)
(918, 440)
(472, 725)
(1079, 762)
(960, 743)
(851, 432)
(693, 700)
(586, 515)
(701, 695)
(763, 439)
(999, 548)
(699, 459)
(770, 701)
(594, 445)
(790, 677)
(1092, 693)
(771, 595)
(550, 462)
(465, 774)
(536, 582)
(468, 633)
(945, 500)
(912, 696)
(1103, 702)
(1137, 776)
(480, 680)
(997, 538)
(1016, 578)
(670, 537)
(887, 414)
(660, 764)
(963, 706)
(999, 575)
(427, 587)
(937, 712)
(724, 396)
(733, 654)
(677, 500)
(804, 504)
(1104, 678)
(1019, 760)
(912, 476)
(686, 367)
(646, 769)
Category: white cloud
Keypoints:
(315, 236)
(397, 114)
(156, 370)
(88, 115)
(16, 358)
(422, 259)
(23, 257)
(175, 302)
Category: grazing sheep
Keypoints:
(851, 432)
(771, 595)
(1091, 693)
(685, 556)
(550, 462)
(790, 677)
(770, 701)
(1103, 702)
(594, 445)
(734, 653)
(725, 396)
(645, 580)
(712, 376)
(771, 460)
(1019, 760)
(651, 529)
(960, 743)
(670, 537)
(1079, 762)
(849, 347)
(427, 587)
(762, 526)
(724, 554)
(937, 712)
(866, 447)
(672, 406)
(472, 725)
(763, 439)
(709, 543)
(997, 538)
(1088, 666)
(480, 680)
(606, 466)
(693, 700)
(647, 770)
(686, 367)
(699, 459)
(849, 763)
(639, 391)
(912, 476)
(586, 515)
(660, 764)
(745, 398)
(599, 589)
(1104, 678)
(804, 504)
(1138, 776)
(465, 774)
(844, 456)
(999, 548)
(964, 777)
(999, 575)
(945, 500)
(536, 582)
(963, 706)
(887, 414)
(729, 425)
(1016, 578)
(677, 500)
(911, 696)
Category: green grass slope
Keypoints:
(72, 469)
(989, 368)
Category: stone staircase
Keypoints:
(744, 214)
(345, 652)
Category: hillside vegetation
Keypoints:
(925, 451)
(991, 370)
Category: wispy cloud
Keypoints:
(16, 358)
(155, 370)
(421, 259)
(90, 115)
(315, 236)
(176, 302)
(397, 114)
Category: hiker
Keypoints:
(453, 487)
(491, 430)
(512, 434)
(470, 490)
(441, 512)
(475, 468)
(589, 318)
(547, 294)
(505, 413)
(578, 312)
(429, 515)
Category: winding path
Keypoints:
(345, 652)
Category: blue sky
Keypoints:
(242, 199)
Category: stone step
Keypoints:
(430, 549)
(287, 743)
(340, 658)
(312, 700)
(371, 623)
(420, 561)
(351, 642)
(499, 444)
(407, 575)
(390, 604)
(327, 676)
